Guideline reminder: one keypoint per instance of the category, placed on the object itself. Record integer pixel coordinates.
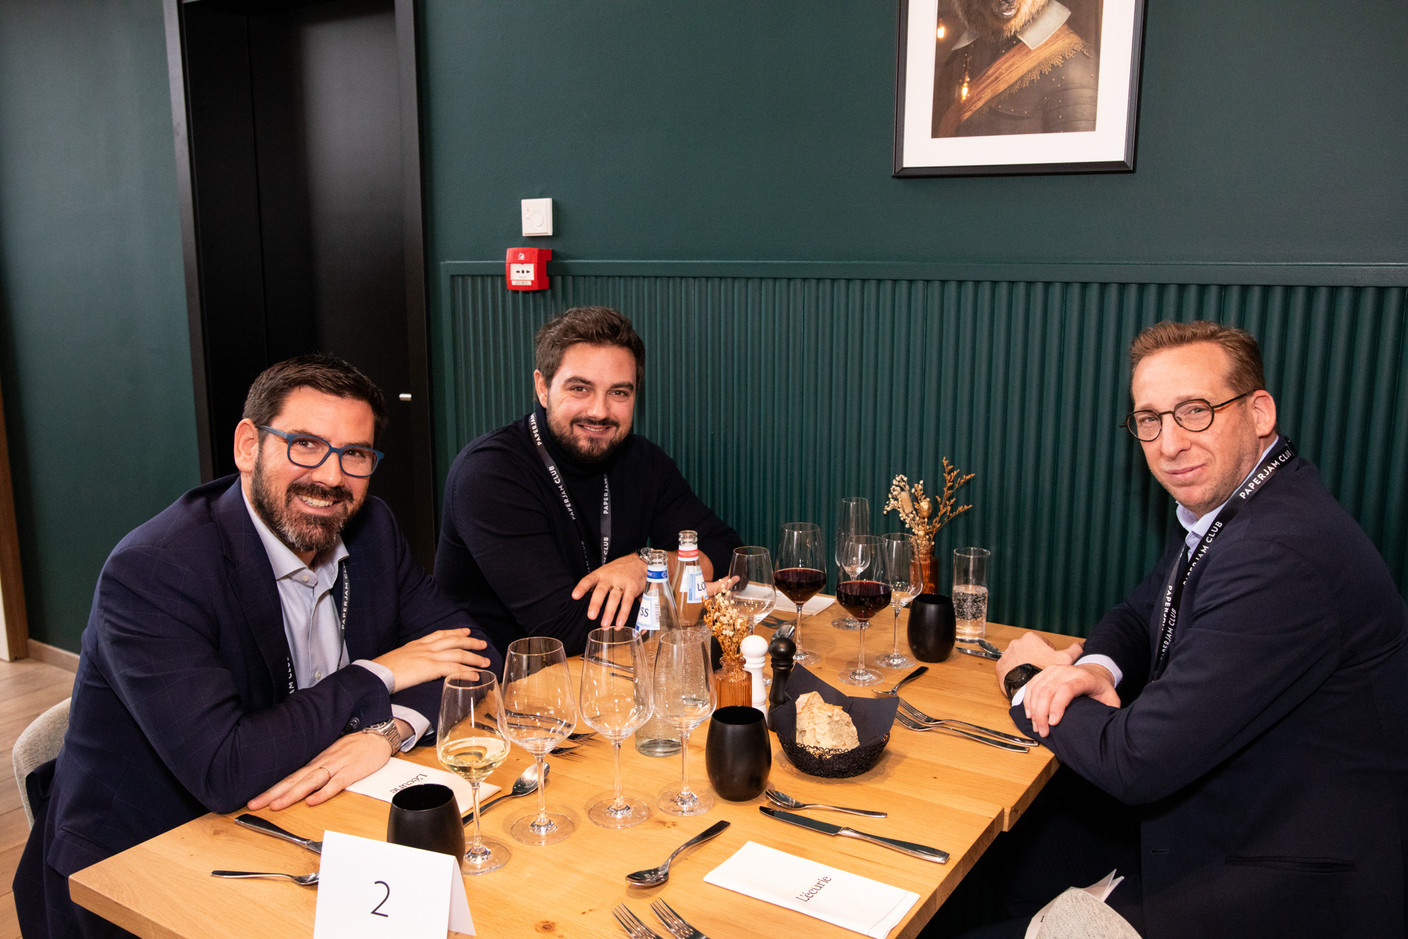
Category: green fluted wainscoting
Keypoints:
(777, 395)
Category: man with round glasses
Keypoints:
(1245, 705)
(266, 639)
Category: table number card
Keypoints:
(377, 890)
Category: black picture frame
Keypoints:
(1008, 123)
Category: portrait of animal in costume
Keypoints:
(1017, 67)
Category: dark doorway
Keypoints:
(298, 147)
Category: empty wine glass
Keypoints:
(853, 518)
(865, 593)
(617, 692)
(800, 574)
(684, 695)
(470, 744)
(752, 591)
(540, 710)
(905, 574)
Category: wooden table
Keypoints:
(941, 790)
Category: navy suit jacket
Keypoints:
(1269, 760)
(182, 701)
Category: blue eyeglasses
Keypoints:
(309, 451)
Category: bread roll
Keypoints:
(822, 726)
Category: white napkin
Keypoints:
(397, 774)
(844, 899)
(812, 607)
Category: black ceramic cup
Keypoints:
(931, 627)
(738, 753)
(426, 817)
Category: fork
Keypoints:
(923, 718)
(632, 924)
(906, 721)
(674, 922)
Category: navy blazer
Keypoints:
(1269, 759)
(182, 702)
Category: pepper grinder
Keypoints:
(754, 649)
(781, 649)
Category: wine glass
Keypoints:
(800, 574)
(470, 744)
(617, 693)
(853, 518)
(752, 591)
(684, 695)
(905, 574)
(865, 593)
(539, 711)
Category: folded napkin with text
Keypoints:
(827, 893)
(397, 774)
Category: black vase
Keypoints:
(738, 753)
(932, 627)
(426, 817)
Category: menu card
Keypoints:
(398, 774)
(848, 900)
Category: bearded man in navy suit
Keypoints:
(266, 639)
(1248, 699)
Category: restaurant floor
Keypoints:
(27, 689)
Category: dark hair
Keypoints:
(1245, 371)
(321, 372)
(594, 325)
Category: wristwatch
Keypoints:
(644, 555)
(1018, 676)
(388, 731)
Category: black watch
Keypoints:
(1018, 676)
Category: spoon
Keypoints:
(654, 876)
(894, 692)
(787, 802)
(303, 880)
(526, 782)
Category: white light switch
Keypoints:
(537, 217)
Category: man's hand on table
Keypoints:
(440, 654)
(1029, 648)
(614, 587)
(350, 758)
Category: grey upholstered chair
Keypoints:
(37, 744)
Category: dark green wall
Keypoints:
(93, 338)
(722, 172)
(1269, 131)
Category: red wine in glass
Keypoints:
(863, 598)
(799, 584)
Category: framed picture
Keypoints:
(999, 87)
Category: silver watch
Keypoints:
(644, 555)
(388, 731)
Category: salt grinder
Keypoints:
(754, 649)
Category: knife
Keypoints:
(269, 828)
(978, 652)
(923, 852)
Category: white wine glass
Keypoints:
(852, 518)
(540, 710)
(470, 744)
(616, 700)
(905, 574)
(863, 594)
(684, 696)
(751, 592)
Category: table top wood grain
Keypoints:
(940, 790)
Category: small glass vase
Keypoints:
(925, 549)
(733, 684)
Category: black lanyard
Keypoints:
(567, 499)
(1173, 590)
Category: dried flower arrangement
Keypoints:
(924, 515)
(727, 623)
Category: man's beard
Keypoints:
(593, 453)
(301, 531)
